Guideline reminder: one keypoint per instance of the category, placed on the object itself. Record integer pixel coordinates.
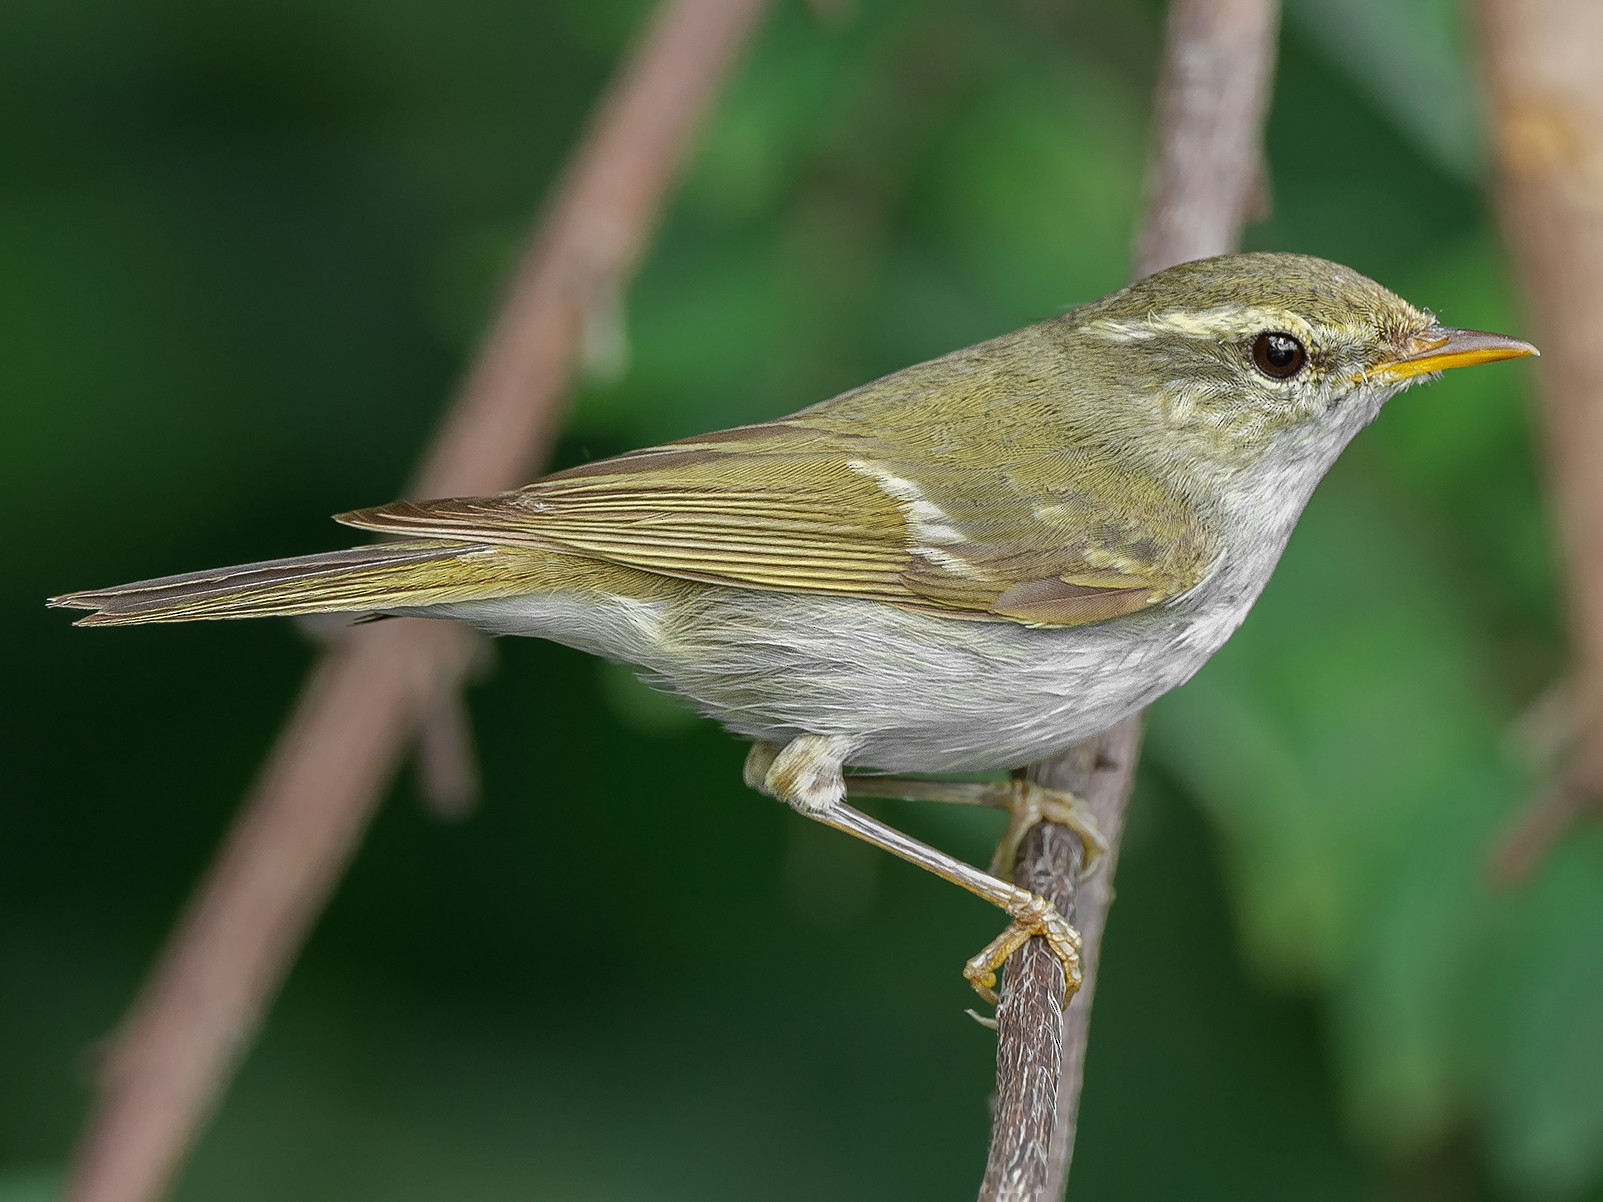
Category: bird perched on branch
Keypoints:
(965, 566)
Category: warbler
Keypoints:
(962, 567)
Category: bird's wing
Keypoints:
(791, 506)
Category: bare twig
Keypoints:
(1212, 97)
(447, 770)
(1546, 818)
(300, 825)
(1546, 95)
(1032, 1141)
(1213, 94)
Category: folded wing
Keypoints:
(797, 507)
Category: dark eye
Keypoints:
(1278, 356)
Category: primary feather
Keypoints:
(361, 579)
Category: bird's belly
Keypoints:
(913, 692)
(919, 693)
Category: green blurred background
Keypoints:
(245, 250)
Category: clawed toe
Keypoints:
(1032, 915)
(1027, 804)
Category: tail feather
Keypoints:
(384, 576)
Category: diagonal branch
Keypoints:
(1212, 97)
(306, 815)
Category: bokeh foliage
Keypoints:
(244, 252)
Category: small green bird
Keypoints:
(964, 566)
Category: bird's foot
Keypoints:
(1027, 804)
(806, 774)
(1031, 915)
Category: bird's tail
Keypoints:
(380, 578)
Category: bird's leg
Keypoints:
(806, 774)
(1025, 801)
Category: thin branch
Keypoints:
(447, 769)
(340, 745)
(1032, 1140)
(1545, 819)
(1212, 96)
(1546, 100)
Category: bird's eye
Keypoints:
(1279, 356)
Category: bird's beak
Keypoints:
(1438, 348)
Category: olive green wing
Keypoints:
(794, 507)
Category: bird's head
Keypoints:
(1245, 356)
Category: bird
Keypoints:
(962, 567)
